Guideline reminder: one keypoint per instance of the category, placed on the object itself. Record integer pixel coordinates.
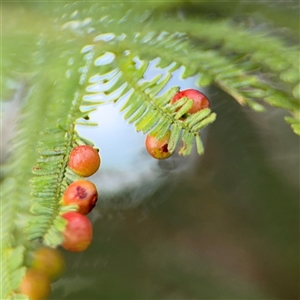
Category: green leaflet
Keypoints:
(254, 105)
(179, 104)
(197, 117)
(296, 91)
(174, 138)
(295, 124)
(205, 122)
(53, 237)
(54, 149)
(151, 84)
(160, 84)
(205, 80)
(138, 112)
(200, 148)
(279, 100)
(160, 130)
(130, 107)
(184, 108)
(187, 141)
(147, 121)
(166, 96)
(12, 269)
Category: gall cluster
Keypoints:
(84, 161)
(47, 266)
(47, 263)
(158, 148)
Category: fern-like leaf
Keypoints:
(12, 271)
(96, 53)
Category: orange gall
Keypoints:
(83, 193)
(49, 261)
(158, 148)
(84, 160)
(78, 233)
(35, 284)
(200, 100)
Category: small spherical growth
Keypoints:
(49, 261)
(84, 160)
(82, 193)
(158, 148)
(35, 284)
(78, 233)
(200, 100)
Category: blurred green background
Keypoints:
(221, 226)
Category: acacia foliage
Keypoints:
(78, 56)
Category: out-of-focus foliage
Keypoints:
(60, 61)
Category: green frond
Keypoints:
(12, 271)
(295, 124)
(219, 56)
(268, 70)
(100, 53)
(147, 108)
(251, 72)
(57, 139)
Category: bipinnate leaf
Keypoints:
(81, 55)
